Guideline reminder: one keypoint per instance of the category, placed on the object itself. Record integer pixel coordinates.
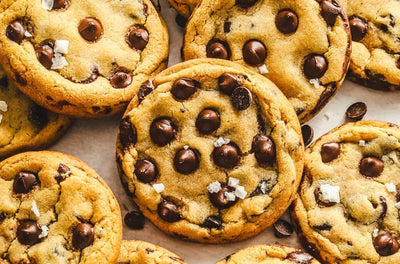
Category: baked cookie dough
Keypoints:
(134, 251)
(213, 154)
(375, 28)
(302, 46)
(184, 7)
(23, 124)
(81, 58)
(347, 210)
(269, 254)
(56, 209)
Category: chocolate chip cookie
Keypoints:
(56, 209)
(302, 46)
(184, 7)
(133, 251)
(210, 151)
(347, 210)
(375, 29)
(82, 58)
(23, 124)
(269, 254)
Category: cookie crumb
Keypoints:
(61, 46)
(159, 187)
(263, 69)
(47, 4)
(59, 62)
(221, 141)
(230, 196)
(361, 143)
(45, 232)
(233, 182)
(330, 193)
(375, 233)
(315, 82)
(240, 192)
(214, 187)
(35, 209)
(390, 187)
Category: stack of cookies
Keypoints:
(211, 149)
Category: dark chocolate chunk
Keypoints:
(24, 182)
(315, 66)
(226, 156)
(219, 199)
(330, 151)
(62, 172)
(356, 111)
(163, 131)
(38, 116)
(186, 161)
(227, 26)
(371, 167)
(227, 83)
(44, 53)
(134, 219)
(330, 11)
(184, 88)
(245, 3)
(218, 49)
(323, 227)
(254, 53)
(282, 229)
(358, 27)
(320, 201)
(83, 236)
(120, 79)
(208, 121)
(145, 89)
(264, 150)
(168, 211)
(146, 171)
(308, 134)
(127, 133)
(213, 221)
(138, 38)
(386, 244)
(59, 4)
(90, 29)
(241, 98)
(28, 232)
(16, 31)
(286, 21)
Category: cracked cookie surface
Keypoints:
(135, 251)
(302, 46)
(347, 210)
(269, 254)
(56, 209)
(375, 28)
(213, 154)
(24, 125)
(88, 67)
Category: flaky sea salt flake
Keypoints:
(214, 187)
(59, 62)
(61, 46)
(330, 193)
(230, 196)
(159, 187)
(45, 232)
(27, 34)
(233, 182)
(263, 69)
(35, 209)
(315, 82)
(361, 143)
(375, 233)
(47, 4)
(390, 187)
(221, 141)
(240, 192)
(3, 106)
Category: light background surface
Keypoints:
(93, 141)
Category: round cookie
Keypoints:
(302, 46)
(347, 210)
(135, 251)
(214, 154)
(269, 254)
(184, 7)
(56, 209)
(90, 66)
(375, 28)
(24, 125)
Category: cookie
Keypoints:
(56, 209)
(375, 29)
(302, 46)
(213, 154)
(89, 67)
(24, 125)
(184, 7)
(134, 251)
(347, 210)
(271, 254)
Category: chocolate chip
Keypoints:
(184, 88)
(330, 11)
(227, 83)
(120, 79)
(227, 156)
(62, 172)
(264, 149)
(330, 151)
(218, 49)
(282, 229)
(286, 21)
(371, 167)
(213, 221)
(186, 161)
(90, 29)
(44, 53)
(300, 257)
(308, 134)
(386, 244)
(83, 236)
(168, 211)
(227, 26)
(16, 31)
(145, 89)
(383, 204)
(323, 227)
(146, 171)
(134, 219)
(163, 131)
(245, 3)
(180, 20)
(208, 121)
(358, 27)
(127, 133)
(58, 4)
(356, 111)
(218, 199)
(24, 182)
(38, 116)
(93, 77)
(264, 187)
(241, 98)
(254, 53)
(319, 200)
(138, 38)
(315, 66)
(28, 232)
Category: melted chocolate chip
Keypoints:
(245, 3)
(315, 66)
(320, 201)
(184, 88)
(356, 111)
(264, 149)
(226, 156)
(59, 4)
(120, 79)
(386, 244)
(146, 171)
(218, 49)
(330, 11)
(134, 219)
(330, 151)
(169, 211)
(127, 133)
(286, 21)
(138, 38)
(16, 31)
(186, 161)
(180, 20)
(241, 98)
(24, 182)
(83, 236)
(358, 27)
(145, 89)
(300, 257)
(208, 121)
(163, 131)
(254, 53)
(282, 229)
(213, 221)
(28, 232)
(308, 134)
(227, 83)
(44, 53)
(219, 200)
(62, 172)
(371, 167)
(38, 116)
(90, 29)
